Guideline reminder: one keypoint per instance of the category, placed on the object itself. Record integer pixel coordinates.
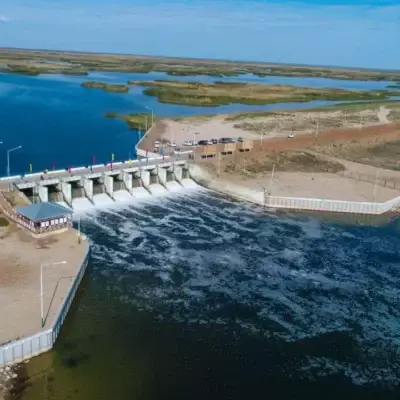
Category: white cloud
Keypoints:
(3, 19)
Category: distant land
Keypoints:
(36, 62)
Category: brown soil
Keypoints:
(252, 164)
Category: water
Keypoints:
(193, 295)
(51, 113)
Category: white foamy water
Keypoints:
(174, 186)
(156, 189)
(81, 204)
(140, 192)
(122, 195)
(189, 183)
(102, 199)
(193, 256)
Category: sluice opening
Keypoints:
(136, 182)
(77, 190)
(30, 194)
(153, 178)
(170, 176)
(118, 184)
(98, 186)
(185, 173)
(55, 194)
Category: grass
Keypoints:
(4, 222)
(174, 66)
(222, 93)
(134, 121)
(105, 86)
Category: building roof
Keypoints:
(42, 211)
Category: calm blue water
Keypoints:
(194, 296)
(57, 121)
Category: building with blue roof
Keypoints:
(46, 217)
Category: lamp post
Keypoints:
(152, 115)
(8, 158)
(41, 285)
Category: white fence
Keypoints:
(28, 347)
(331, 205)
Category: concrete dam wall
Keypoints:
(86, 190)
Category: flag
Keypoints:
(30, 168)
(54, 165)
(112, 156)
(93, 160)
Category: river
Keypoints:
(197, 296)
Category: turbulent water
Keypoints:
(196, 296)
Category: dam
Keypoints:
(83, 188)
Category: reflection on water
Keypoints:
(197, 296)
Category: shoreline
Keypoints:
(20, 257)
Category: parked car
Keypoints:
(172, 144)
(240, 139)
(291, 136)
(225, 140)
(188, 143)
(214, 141)
(203, 142)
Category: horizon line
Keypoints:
(270, 63)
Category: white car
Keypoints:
(188, 143)
(291, 136)
(173, 144)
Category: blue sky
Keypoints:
(362, 33)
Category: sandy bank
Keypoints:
(20, 259)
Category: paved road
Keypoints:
(86, 171)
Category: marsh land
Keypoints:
(222, 93)
(105, 86)
(35, 62)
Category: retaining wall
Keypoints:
(30, 346)
(204, 178)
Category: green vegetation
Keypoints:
(4, 222)
(134, 121)
(222, 93)
(33, 62)
(105, 86)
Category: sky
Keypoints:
(354, 33)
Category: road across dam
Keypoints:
(85, 187)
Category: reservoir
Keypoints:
(60, 123)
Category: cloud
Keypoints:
(3, 19)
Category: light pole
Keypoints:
(41, 285)
(8, 158)
(152, 115)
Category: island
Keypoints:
(35, 62)
(105, 86)
(222, 93)
(135, 121)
